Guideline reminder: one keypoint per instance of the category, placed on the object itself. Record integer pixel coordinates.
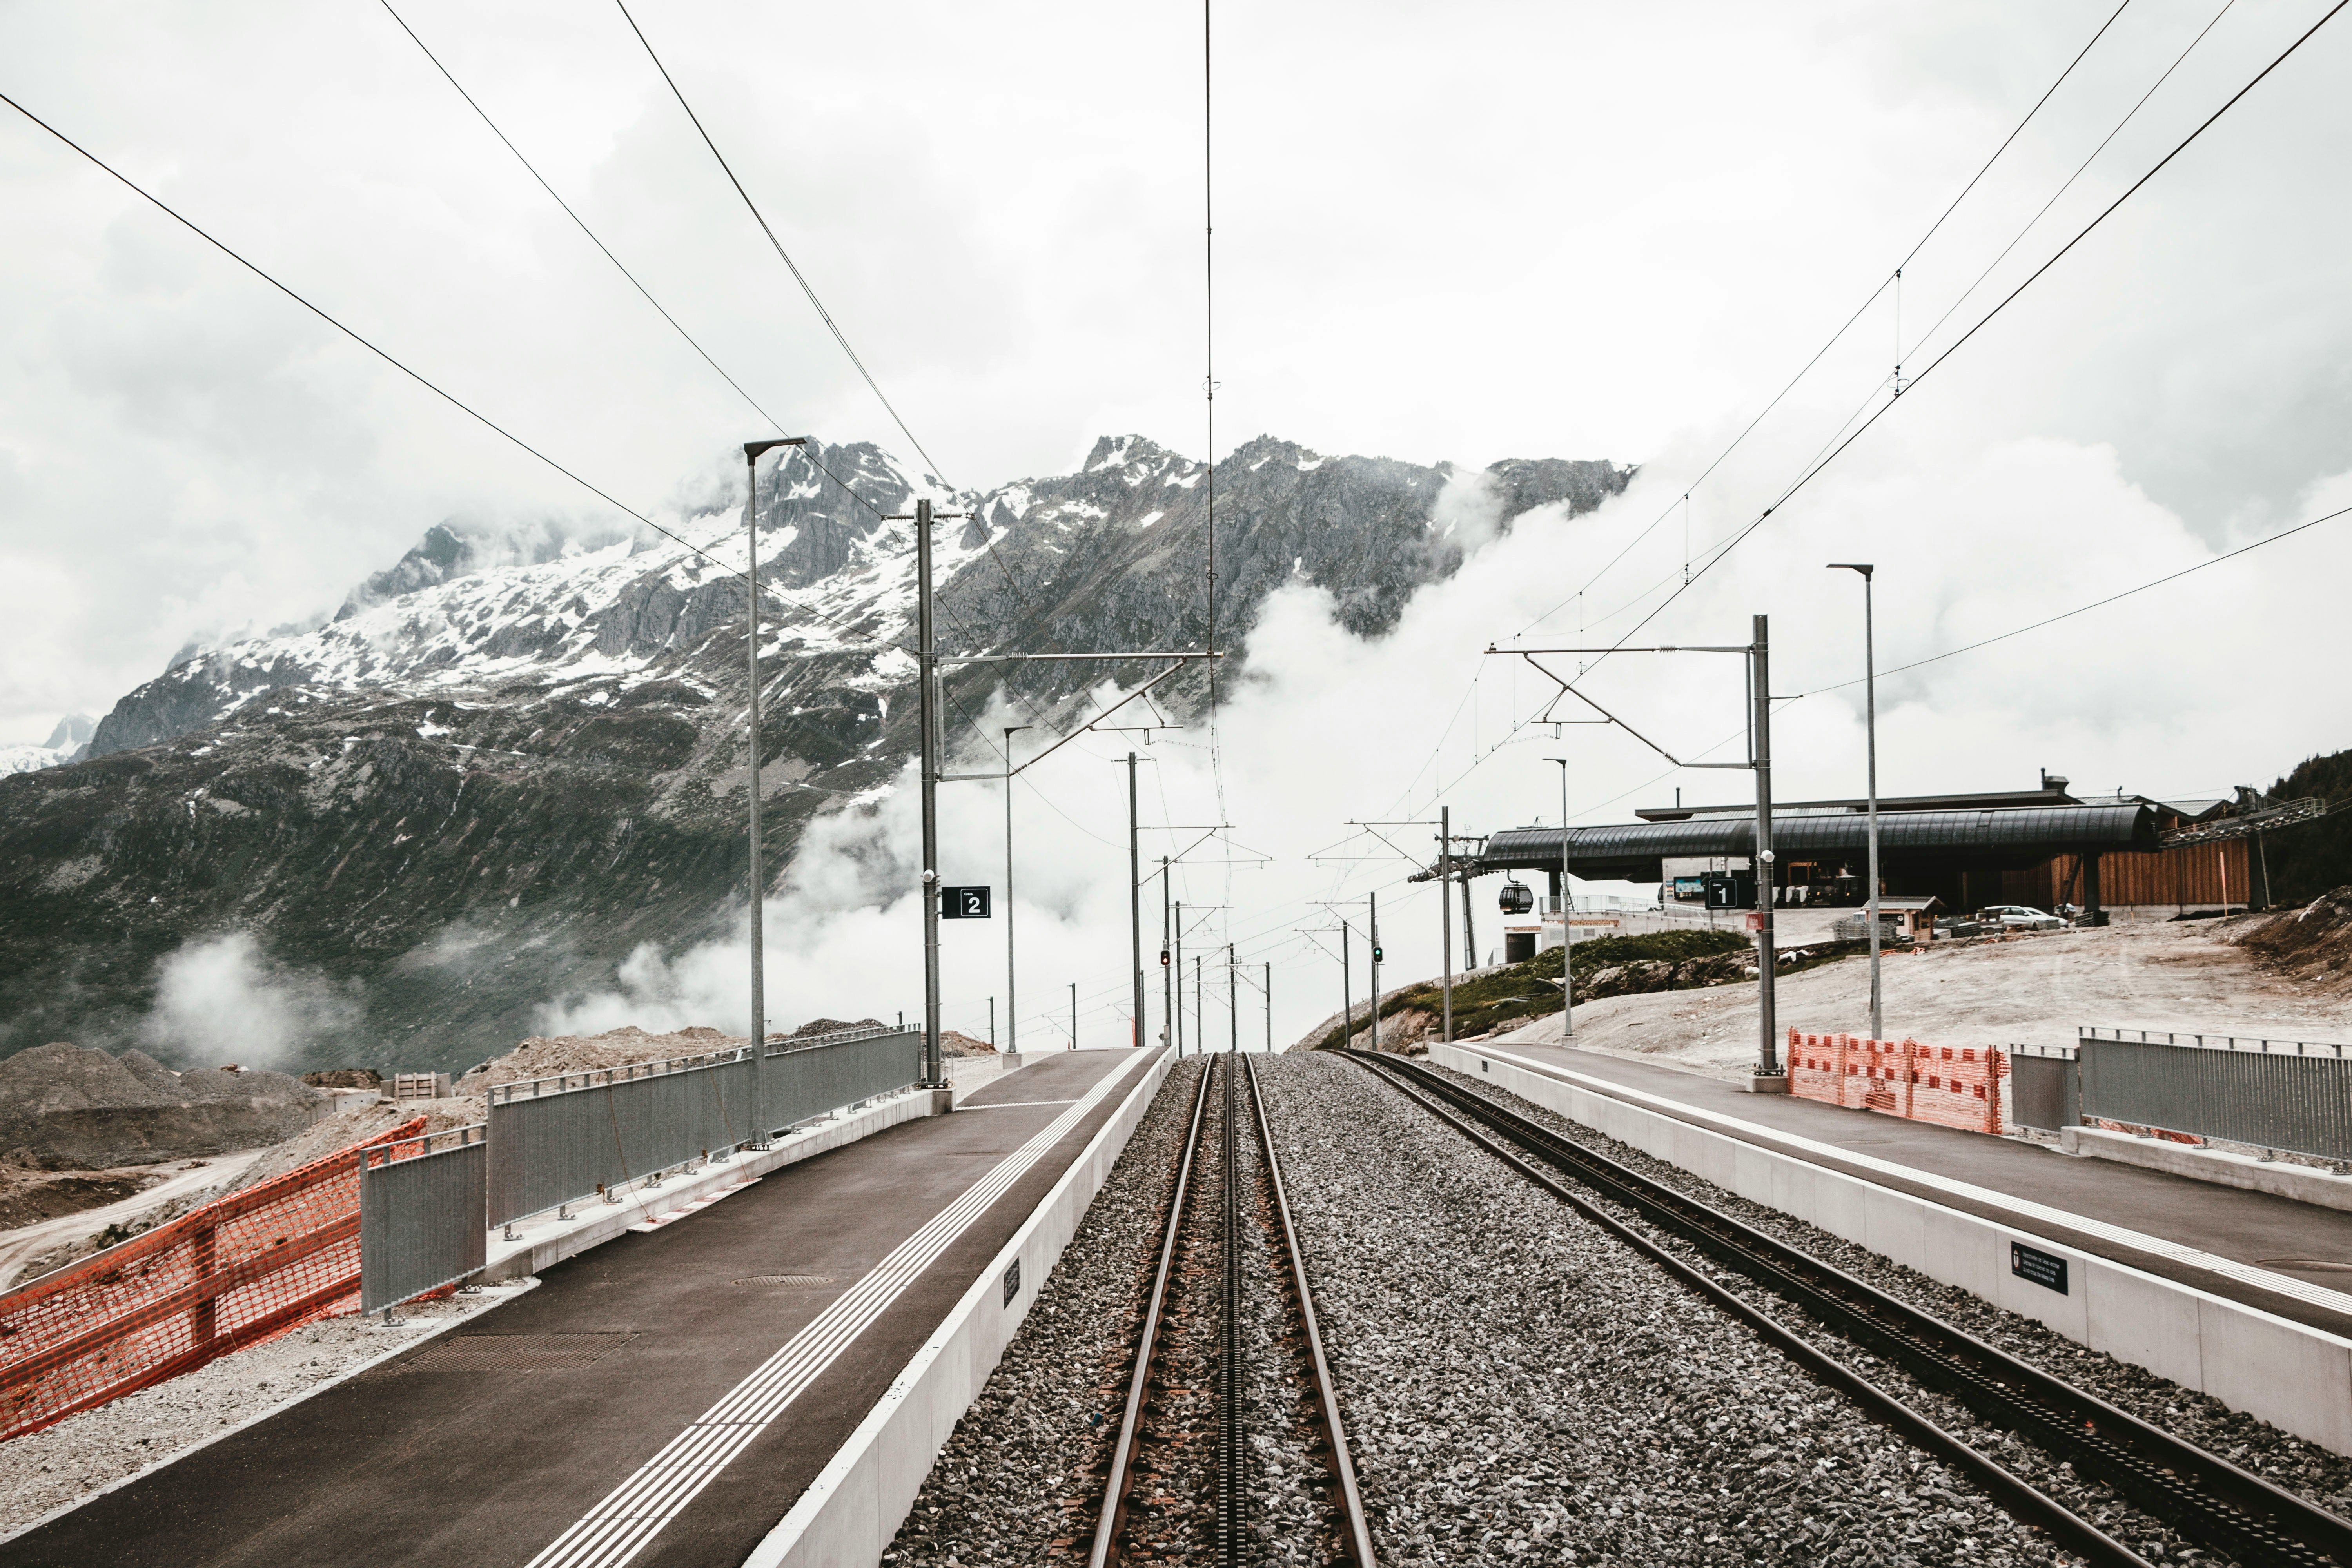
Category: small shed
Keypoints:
(1912, 915)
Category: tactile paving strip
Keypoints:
(786, 1279)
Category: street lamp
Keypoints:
(1870, 711)
(1567, 980)
(751, 450)
(1011, 1005)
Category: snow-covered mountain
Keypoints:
(510, 758)
(68, 742)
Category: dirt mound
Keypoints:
(954, 1043)
(63, 1108)
(345, 1077)
(830, 1026)
(342, 1131)
(2313, 943)
(27, 1197)
(545, 1056)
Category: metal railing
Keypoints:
(570, 1137)
(2290, 1095)
(2045, 1087)
(421, 1214)
(811, 1079)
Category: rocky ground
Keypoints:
(98, 1450)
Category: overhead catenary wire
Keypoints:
(807, 288)
(1807, 477)
(1837, 336)
(385, 355)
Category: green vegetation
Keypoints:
(2311, 859)
(1531, 989)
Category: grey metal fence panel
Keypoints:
(808, 1080)
(2044, 1088)
(2273, 1094)
(561, 1140)
(420, 1215)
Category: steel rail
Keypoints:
(1356, 1534)
(2019, 1496)
(1121, 1485)
(2214, 1501)
(1233, 1426)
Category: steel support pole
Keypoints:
(1269, 1009)
(927, 670)
(1200, 1020)
(1767, 1057)
(1074, 1014)
(1870, 729)
(992, 1023)
(1233, 1002)
(1167, 970)
(1374, 922)
(1444, 922)
(1012, 996)
(1134, 903)
(1177, 1000)
(1567, 951)
(758, 887)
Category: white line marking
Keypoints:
(629, 1516)
(1014, 1104)
(2244, 1273)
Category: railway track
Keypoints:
(1222, 1206)
(2224, 1509)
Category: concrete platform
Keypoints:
(2032, 1187)
(663, 1399)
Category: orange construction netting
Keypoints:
(219, 1277)
(1951, 1087)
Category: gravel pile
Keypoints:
(89, 1452)
(2284, 1460)
(1021, 1477)
(1521, 1387)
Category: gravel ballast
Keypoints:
(1520, 1386)
(1020, 1479)
(2287, 1461)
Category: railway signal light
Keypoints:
(1376, 953)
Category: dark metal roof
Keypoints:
(2019, 835)
(1997, 800)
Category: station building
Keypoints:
(2042, 848)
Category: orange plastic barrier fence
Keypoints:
(1951, 1087)
(219, 1277)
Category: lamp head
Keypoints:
(1853, 566)
(751, 449)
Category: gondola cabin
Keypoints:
(1517, 899)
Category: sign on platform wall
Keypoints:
(963, 903)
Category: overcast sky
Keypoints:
(1445, 232)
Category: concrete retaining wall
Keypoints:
(2298, 1378)
(2279, 1178)
(851, 1512)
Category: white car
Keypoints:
(2017, 917)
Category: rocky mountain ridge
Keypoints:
(507, 761)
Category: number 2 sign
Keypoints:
(963, 903)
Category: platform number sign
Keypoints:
(963, 903)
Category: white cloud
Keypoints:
(219, 1000)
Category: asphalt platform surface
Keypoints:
(2274, 1233)
(441, 1457)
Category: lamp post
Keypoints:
(1012, 1001)
(759, 887)
(1870, 727)
(1566, 951)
